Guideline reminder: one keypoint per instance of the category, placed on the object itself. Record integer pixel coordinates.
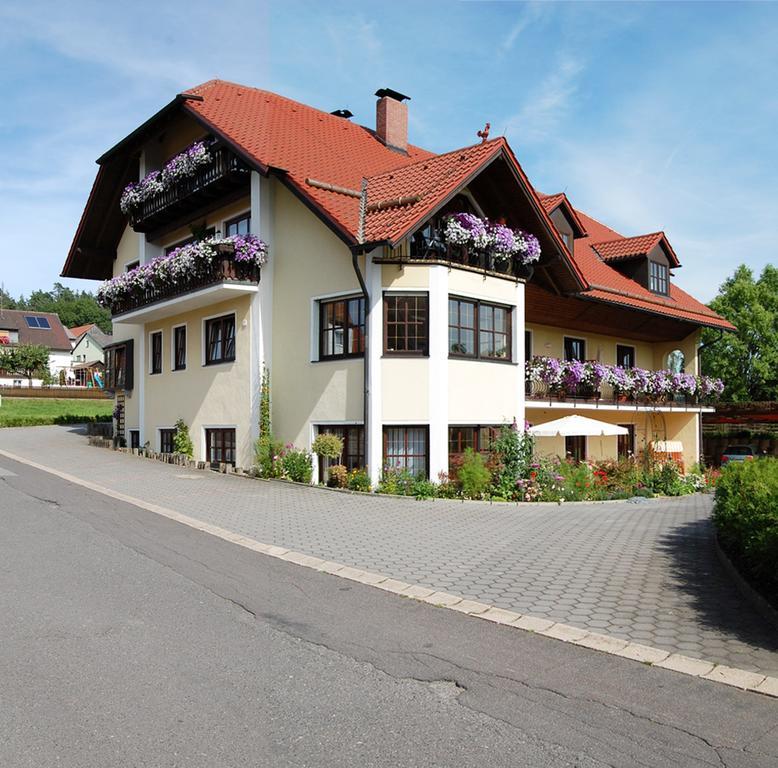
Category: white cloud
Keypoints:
(528, 14)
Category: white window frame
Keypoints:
(204, 443)
(159, 435)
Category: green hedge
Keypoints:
(40, 421)
(746, 519)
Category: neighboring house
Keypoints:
(88, 354)
(370, 324)
(22, 327)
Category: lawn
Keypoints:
(33, 411)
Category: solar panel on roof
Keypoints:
(43, 322)
(37, 322)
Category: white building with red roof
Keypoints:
(375, 317)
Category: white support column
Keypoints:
(375, 346)
(519, 327)
(262, 303)
(438, 370)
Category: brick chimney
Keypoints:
(391, 118)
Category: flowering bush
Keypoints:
(179, 167)
(188, 261)
(482, 234)
(559, 375)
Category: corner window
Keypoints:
(342, 328)
(480, 439)
(625, 356)
(353, 456)
(220, 340)
(657, 277)
(240, 225)
(478, 330)
(575, 349)
(406, 326)
(156, 352)
(179, 348)
(406, 448)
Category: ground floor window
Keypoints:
(220, 446)
(166, 440)
(353, 456)
(575, 447)
(134, 438)
(626, 443)
(480, 439)
(406, 448)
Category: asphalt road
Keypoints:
(127, 639)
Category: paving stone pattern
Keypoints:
(644, 571)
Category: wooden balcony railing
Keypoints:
(606, 395)
(211, 181)
(223, 270)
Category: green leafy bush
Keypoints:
(399, 482)
(267, 456)
(338, 476)
(424, 489)
(512, 456)
(182, 443)
(358, 480)
(746, 520)
(39, 421)
(297, 466)
(473, 475)
(328, 445)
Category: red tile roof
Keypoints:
(607, 284)
(80, 330)
(631, 247)
(54, 337)
(551, 202)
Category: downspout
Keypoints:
(699, 370)
(366, 355)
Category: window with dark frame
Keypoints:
(240, 225)
(478, 330)
(156, 352)
(626, 443)
(166, 444)
(480, 439)
(625, 356)
(210, 232)
(575, 349)
(220, 340)
(134, 439)
(131, 265)
(342, 328)
(353, 456)
(406, 324)
(575, 447)
(658, 277)
(406, 448)
(220, 446)
(179, 348)
(119, 366)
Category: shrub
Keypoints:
(358, 480)
(267, 455)
(182, 443)
(39, 421)
(746, 519)
(665, 478)
(512, 456)
(328, 445)
(296, 464)
(398, 482)
(338, 476)
(424, 489)
(473, 475)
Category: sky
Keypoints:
(651, 116)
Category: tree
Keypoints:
(25, 360)
(746, 360)
(73, 307)
(6, 301)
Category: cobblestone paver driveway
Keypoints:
(644, 571)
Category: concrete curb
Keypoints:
(615, 646)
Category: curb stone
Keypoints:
(656, 657)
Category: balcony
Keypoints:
(429, 247)
(222, 178)
(223, 279)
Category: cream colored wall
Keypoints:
(213, 219)
(407, 276)
(309, 261)
(203, 396)
(649, 426)
(127, 250)
(688, 346)
(405, 385)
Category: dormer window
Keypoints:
(658, 280)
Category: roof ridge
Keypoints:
(622, 238)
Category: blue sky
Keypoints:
(651, 116)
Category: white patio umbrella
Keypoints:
(572, 426)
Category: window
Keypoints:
(37, 322)
(179, 348)
(131, 265)
(220, 446)
(134, 439)
(575, 349)
(625, 356)
(566, 239)
(156, 352)
(119, 365)
(405, 324)
(657, 277)
(210, 232)
(406, 448)
(166, 440)
(342, 328)
(240, 225)
(353, 456)
(480, 439)
(575, 447)
(527, 345)
(220, 340)
(478, 330)
(626, 443)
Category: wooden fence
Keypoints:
(79, 393)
